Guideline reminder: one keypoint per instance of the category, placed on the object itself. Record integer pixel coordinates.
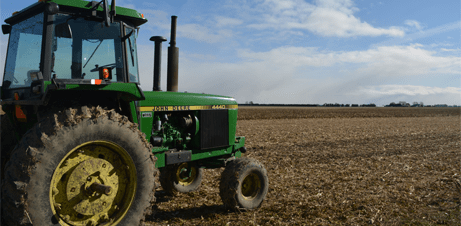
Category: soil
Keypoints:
(341, 166)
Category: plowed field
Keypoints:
(342, 166)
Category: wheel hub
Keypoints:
(184, 176)
(94, 184)
(87, 175)
(250, 186)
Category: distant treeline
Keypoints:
(309, 105)
(346, 105)
(416, 104)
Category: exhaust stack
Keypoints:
(173, 58)
(157, 60)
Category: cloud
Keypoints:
(385, 60)
(227, 21)
(307, 75)
(203, 34)
(217, 31)
(331, 18)
(412, 37)
(449, 50)
(413, 23)
(409, 90)
(410, 93)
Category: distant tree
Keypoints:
(251, 102)
(421, 104)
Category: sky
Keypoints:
(304, 51)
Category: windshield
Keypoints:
(81, 46)
(24, 50)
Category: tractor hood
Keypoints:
(191, 101)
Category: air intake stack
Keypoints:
(173, 58)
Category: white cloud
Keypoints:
(219, 31)
(412, 37)
(325, 18)
(410, 90)
(413, 23)
(449, 50)
(203, 34)
(227, 21)
(384, 60)
(306, 75)
(386, 94)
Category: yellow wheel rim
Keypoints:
(182, 175)
(251, 186)
(94, 184)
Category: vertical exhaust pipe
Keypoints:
(173, 58)
(157, 60)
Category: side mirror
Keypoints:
(6, 29)
(63, 30)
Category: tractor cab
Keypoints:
(69, 42)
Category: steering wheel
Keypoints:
(107, 65)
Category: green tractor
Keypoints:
(82, 144)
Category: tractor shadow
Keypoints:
(200, 212)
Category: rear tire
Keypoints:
(8, 141)
(50, 176)
(175, 178)
(244, 184)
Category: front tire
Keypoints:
(85, 166)
(244, 184)
(177, 179)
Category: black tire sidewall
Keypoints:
(68, 138)
(170, 184)
(258, 199)
(191, 187)
(232, 177)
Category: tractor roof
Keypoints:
(81, 6)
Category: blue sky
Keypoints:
(305, 51)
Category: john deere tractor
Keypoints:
(82, 144)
